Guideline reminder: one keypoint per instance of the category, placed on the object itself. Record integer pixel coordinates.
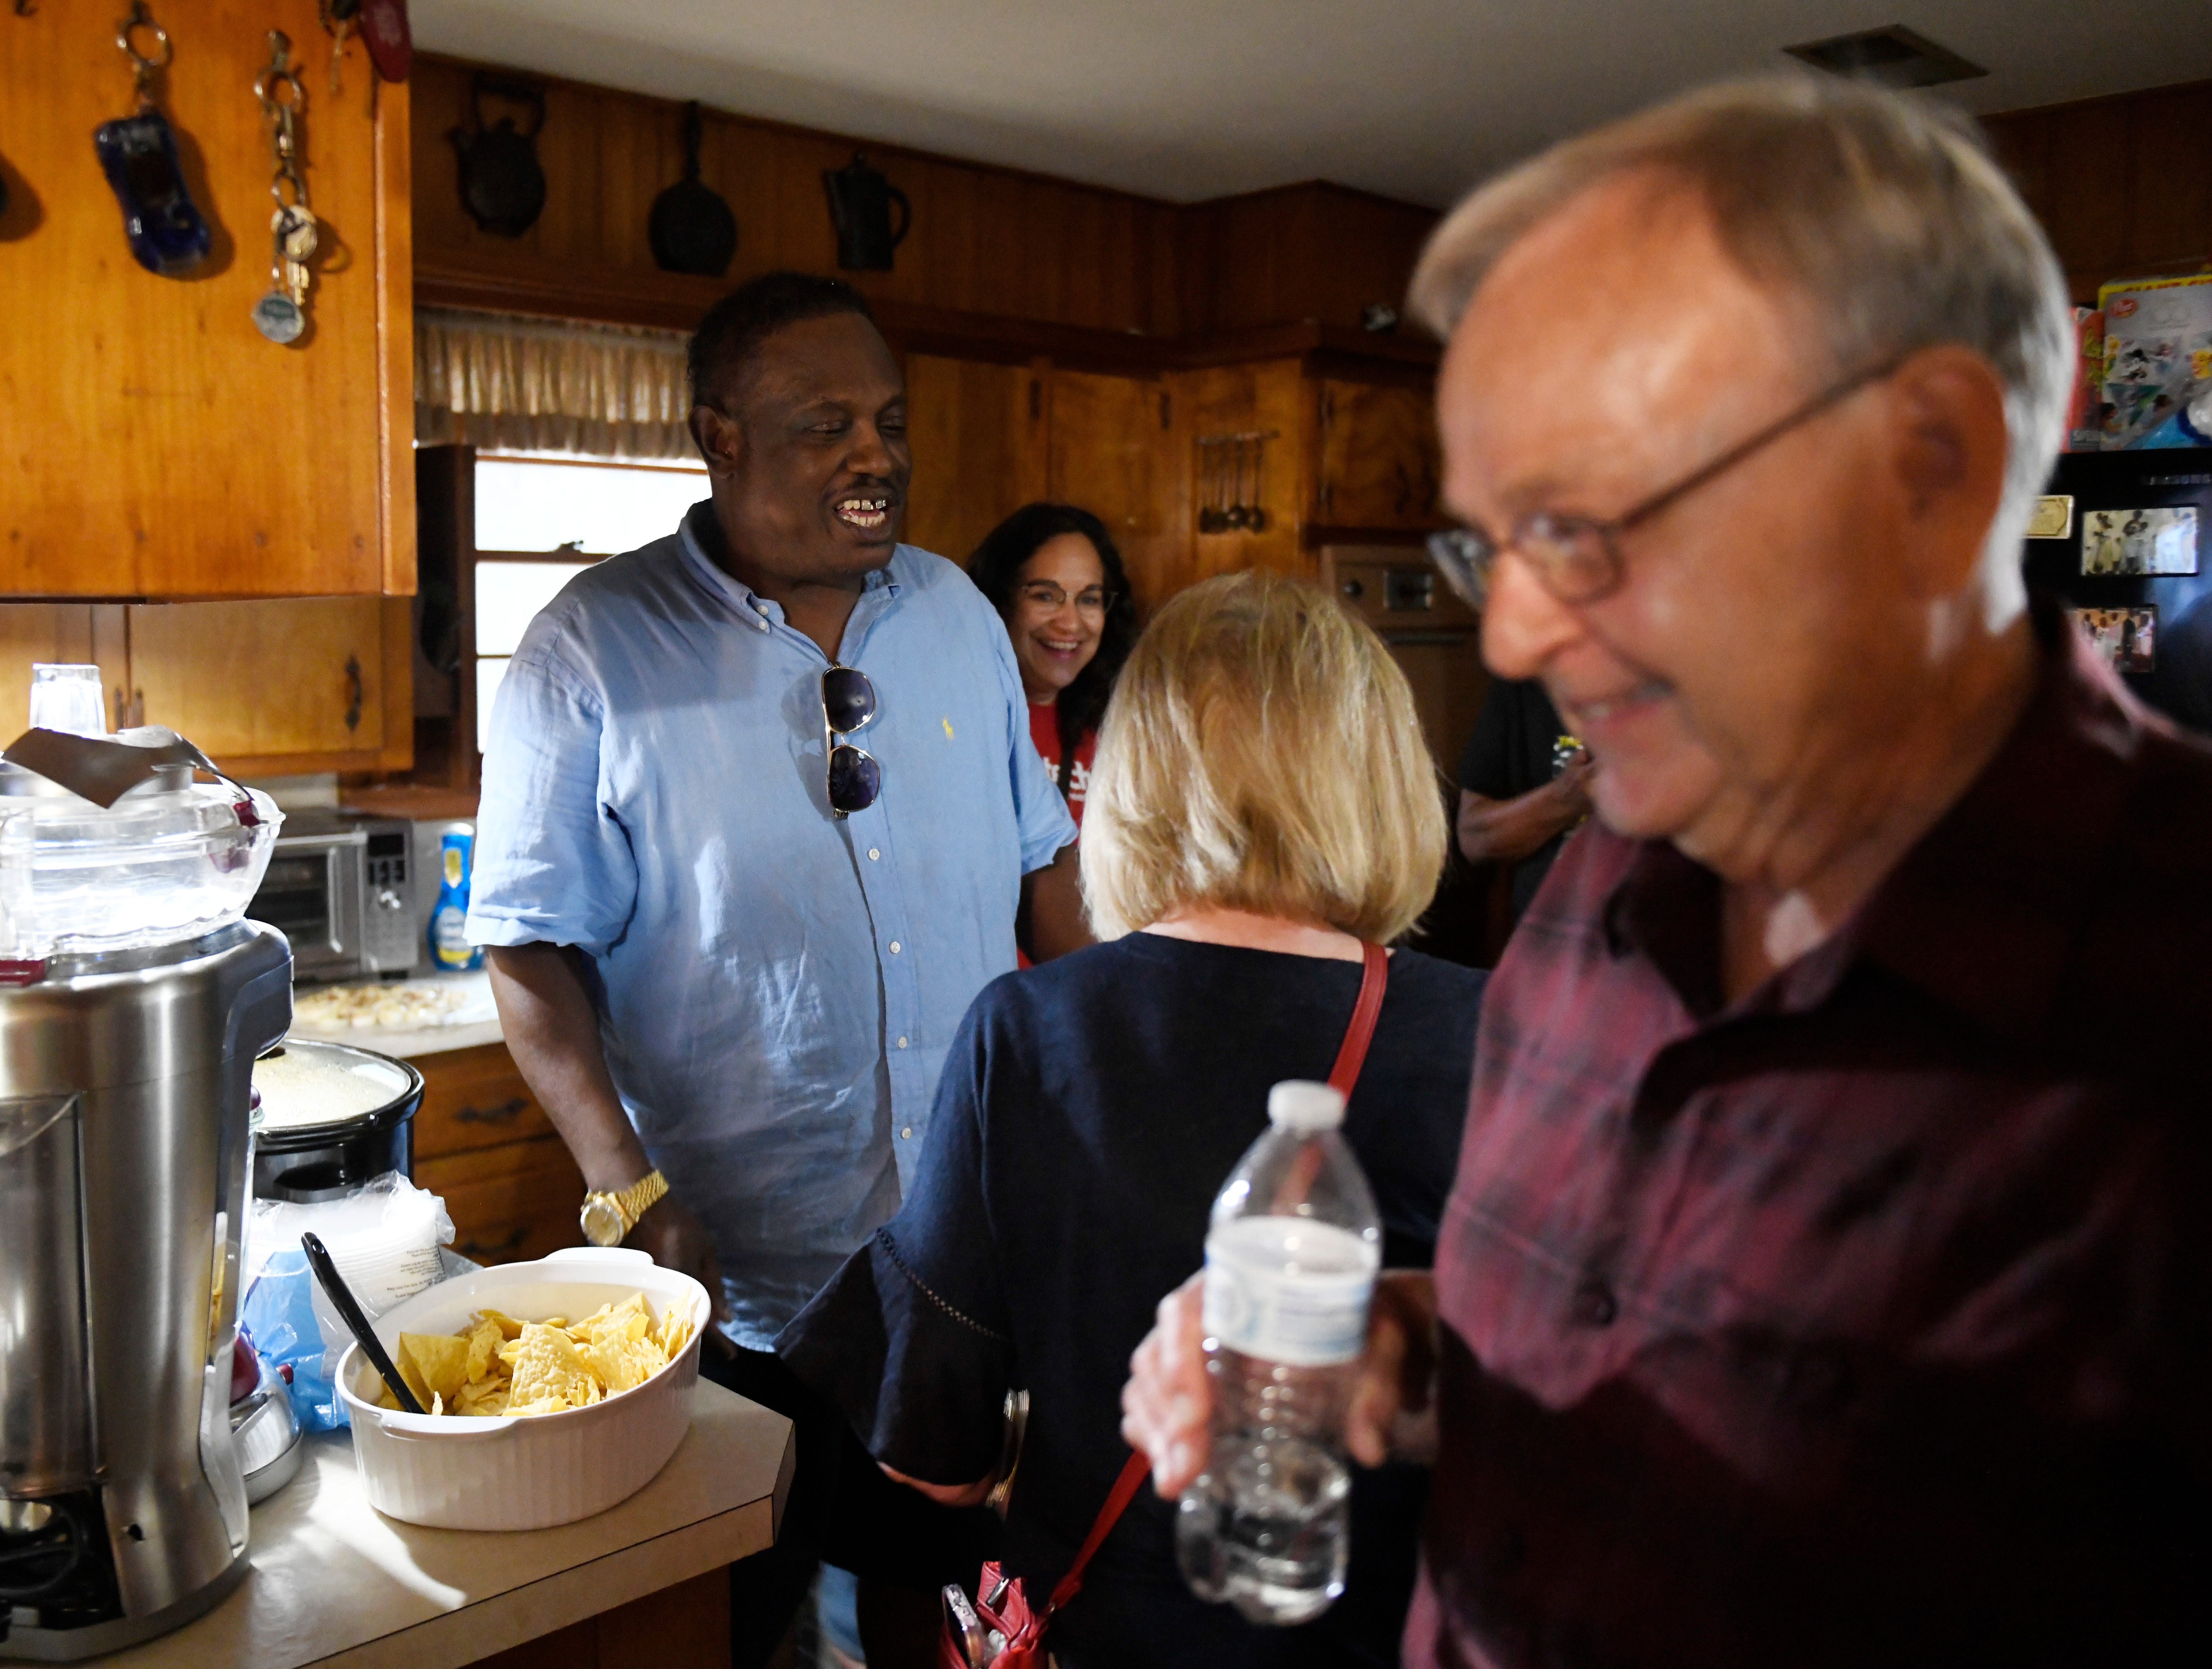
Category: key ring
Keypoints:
(268, 86)
(143, 68)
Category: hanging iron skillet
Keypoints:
(691, 229)
(502, 186)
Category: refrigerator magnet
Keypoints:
(2053, 517)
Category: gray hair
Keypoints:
(1887, 213)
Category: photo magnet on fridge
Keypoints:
(2132, 543)
(2127, 638)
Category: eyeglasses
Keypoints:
(1092, 600)
(1577, 558)
(848, 704)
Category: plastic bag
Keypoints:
(385, 1238)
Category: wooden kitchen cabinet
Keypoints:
(978, 434)
(1113, 450)
(268, 688)
(153, 443)
(279, 688)
(1378, 465)
(484, 1146)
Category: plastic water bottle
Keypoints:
(1290, 1259)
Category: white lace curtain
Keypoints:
(508, 384)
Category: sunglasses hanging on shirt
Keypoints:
(848, 705)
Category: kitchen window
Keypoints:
(540, 522)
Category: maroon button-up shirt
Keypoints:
(1867, 1319)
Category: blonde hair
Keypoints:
(1262, 753)
(1886, 213)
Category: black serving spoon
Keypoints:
(333, 1283)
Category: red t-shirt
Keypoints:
(1044, 730)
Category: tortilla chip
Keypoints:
(548, 1368)
(440, 1364)
(484, 1401)
(484, 1344)
(499, 1367)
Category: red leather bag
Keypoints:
(1001, 1605)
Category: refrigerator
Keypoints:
(2123, 541)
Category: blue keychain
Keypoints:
(138, 154)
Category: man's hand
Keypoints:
(672, 1237)
(1167, 1406)
(1506, 831)
(552, 1031)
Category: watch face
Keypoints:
(602, 1224)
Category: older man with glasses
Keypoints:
(758, 808)
(1827, 1276)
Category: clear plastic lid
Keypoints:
(171, 859)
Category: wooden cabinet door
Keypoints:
(977, 430)
(156, 445)
(1114, 451)
(1379, 465)
(307, 684)
(1267, 399)
(510, 1202)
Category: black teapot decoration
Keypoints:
(691, 229)
(502, 186)
(860, 201)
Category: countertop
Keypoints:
(475, 1001)
(334, 1582)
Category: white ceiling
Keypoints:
(1188, 98)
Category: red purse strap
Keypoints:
(1352, 1056)
(1375, 976)
(1134, 1470)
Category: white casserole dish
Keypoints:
(461, 1474)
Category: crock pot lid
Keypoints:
(315, 1084)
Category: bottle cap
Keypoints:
(1298, 1105)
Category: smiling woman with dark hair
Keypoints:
(1053, 574)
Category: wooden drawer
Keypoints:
(511, 1203)
(474, 1098)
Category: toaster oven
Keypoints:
(341, 888)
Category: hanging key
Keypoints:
(282, 315)
(339, 18)
(297, 230)
(279, 315)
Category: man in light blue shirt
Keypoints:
(739, 897)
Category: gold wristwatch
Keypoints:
(608, 1217)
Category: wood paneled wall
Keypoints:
(988, 243)
(985, 239)
(1317, 251)
(2122, 185)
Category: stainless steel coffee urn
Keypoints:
(132, 1003)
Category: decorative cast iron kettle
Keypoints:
(502, 186)
(860, 201)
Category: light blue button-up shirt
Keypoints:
(777, 988)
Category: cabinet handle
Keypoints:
(354, 693)
(478, 1250)
(1037, 400)
(500, 1114)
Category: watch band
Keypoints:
(608, 1215)
(634, 1201)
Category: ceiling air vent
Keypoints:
(1893, 56)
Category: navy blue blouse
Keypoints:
(1089, 1111)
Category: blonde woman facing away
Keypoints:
(1263, 808)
